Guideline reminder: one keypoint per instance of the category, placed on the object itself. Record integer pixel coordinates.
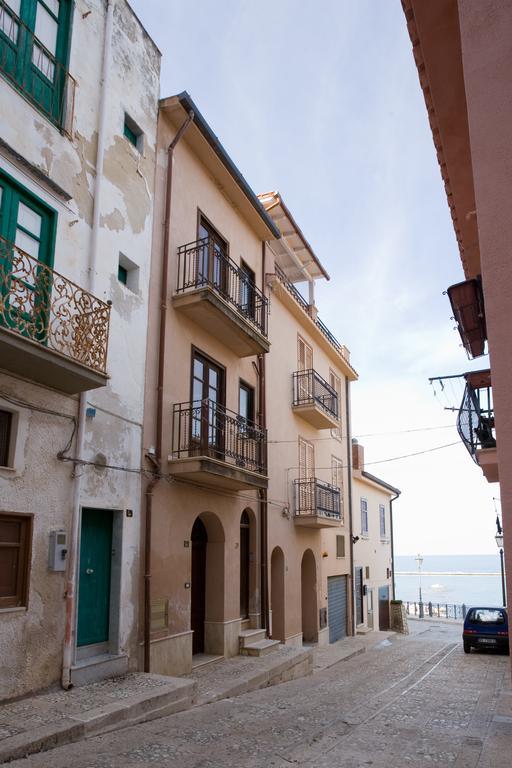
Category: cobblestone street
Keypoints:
(407, 701)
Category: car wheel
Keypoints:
(467, 647)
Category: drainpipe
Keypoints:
(392, 544)
(263, 493)
(70, 594)
(351, 529)
(164, 300)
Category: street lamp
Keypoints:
(419, 560)
(499, 542)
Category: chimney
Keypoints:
(357, 455)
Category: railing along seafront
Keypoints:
(310, 387)
(41, 305)
(316, 498)
(35, 71)
(203, 264)
(205, 428)
(436, 610)
(340, 348)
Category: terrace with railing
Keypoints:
(475, 422)
(39, 306)
(317, 503)
(301, 301)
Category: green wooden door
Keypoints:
(94, 576)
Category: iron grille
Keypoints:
(203, 264)
(316, 498)
(43, 306)
(205, 428)
(310, 387)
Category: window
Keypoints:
(382, 519)
(212, 258)
(246, 402)
(335, 382)
(336, 472)
(306, 460)
(15, 538)
(132, 132)
(34, 41)
(128, 273)
(5, 437)
(207, 422)
(304, 355)
(340, 546)
(367, 572)
(364, 517)
(247, 291)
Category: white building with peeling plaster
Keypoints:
(79, 86)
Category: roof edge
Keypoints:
(383, 483)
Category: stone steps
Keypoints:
(260, 647)
(247, 636)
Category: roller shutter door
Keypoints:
(337, 606)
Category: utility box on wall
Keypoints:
(58, 550)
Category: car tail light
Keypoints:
(470, 632)
(502, 633)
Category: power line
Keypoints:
(369, 434)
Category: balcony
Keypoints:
(467, 301)
(317, 504)
(475, 423)
(51, 330)
(315, 400)
(217, 295)
(34, 71)
(214, 446)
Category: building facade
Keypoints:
(77, 164)
(463, 54)
(373, 550)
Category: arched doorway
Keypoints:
(309, 597)
(199, 539)
(245, 563)
(277, 593)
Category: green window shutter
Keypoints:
(130, 135)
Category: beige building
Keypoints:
(308, 377)
(204, 425)
(77, 149)
(373, 546)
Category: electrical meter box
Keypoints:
(57, 555)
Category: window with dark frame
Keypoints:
(212, 264)
(246, 402)
(15, 538)
(340, 546)
(5, 437)
(247, 291)
(34, 43)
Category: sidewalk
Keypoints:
(42, 722)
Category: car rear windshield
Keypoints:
(486, 616)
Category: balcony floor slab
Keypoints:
(204, 470)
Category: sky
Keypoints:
(321, 101)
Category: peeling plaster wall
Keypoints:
(32, 638)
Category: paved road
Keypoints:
(412, 701)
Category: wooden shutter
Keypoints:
(304, 355)
(14, 559)
(336, 472)
(5, 437)
(306, 459)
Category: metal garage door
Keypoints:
(337, 605)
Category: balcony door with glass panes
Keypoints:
(212, 262)
(26, 244)
(208, 416)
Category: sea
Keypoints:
(454, 579)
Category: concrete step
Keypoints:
(260, 648)
(95, 668)
(250, 636)
(362, 630)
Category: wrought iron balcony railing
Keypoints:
(41, 305)
(205, 428)
(315, 498)
(203, 264)
(34, 71)
(301, 301)
(309, 388)
(475, 421)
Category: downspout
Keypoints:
(164, 299)
(70, 594)
(263, 493)
(350, 507)
(392, 544)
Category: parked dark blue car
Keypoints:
(486, 628)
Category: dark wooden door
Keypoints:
(383, 607)
(198, 597)
(244, 565)
(359, 596)
(94, 577)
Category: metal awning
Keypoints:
(296, 257)
(467, 303)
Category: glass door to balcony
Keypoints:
(26, 230)
(208, 418)
(212, 258)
